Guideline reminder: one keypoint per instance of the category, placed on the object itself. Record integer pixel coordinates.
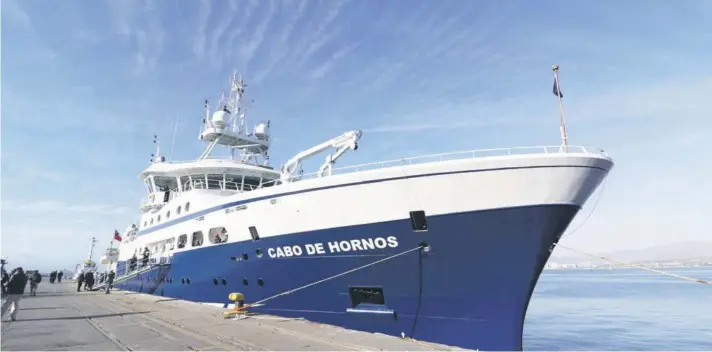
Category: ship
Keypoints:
(88, 265)
(443, 248)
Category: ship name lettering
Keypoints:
(345, 246)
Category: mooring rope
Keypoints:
(262, 301)
(687, 278)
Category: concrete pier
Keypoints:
(59, 318)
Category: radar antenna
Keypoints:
(157, 157)
(227, 126)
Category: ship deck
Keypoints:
(59, 318)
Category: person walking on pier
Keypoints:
(88, 281)
(52, 277)
(110, 280)
(59, 276)
(35, 279)
(5, 279)
(15, 289)
(80, 281)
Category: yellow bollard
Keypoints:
(239, 307)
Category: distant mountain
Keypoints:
(690, 250)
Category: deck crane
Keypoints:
(342, 144)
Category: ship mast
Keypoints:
(226, 126)
(91, 249)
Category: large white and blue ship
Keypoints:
(442, 248)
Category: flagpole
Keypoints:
(562, 121)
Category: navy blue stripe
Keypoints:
(257, 199)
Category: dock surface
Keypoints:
(59, 318)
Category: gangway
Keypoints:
(133, 274)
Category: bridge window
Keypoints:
(164, 183)
(233, 182)
(251, 183)
(182, 240)
(197, 240)
(269, 183)
(198, 181)
(185, 183)
(217, 235)
(215, 181)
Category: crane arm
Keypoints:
(347, 141)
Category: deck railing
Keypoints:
(469, 154)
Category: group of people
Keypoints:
(14, 284)
(88, 280)
(13, 287)
(56, 275)
(133, 261)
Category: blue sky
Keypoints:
(85, 85)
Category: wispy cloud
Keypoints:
(59, 207)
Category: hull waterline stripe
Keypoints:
(277, 195)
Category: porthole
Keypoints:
(244, 256)
(187, 206)
(151, 221)
(168, 215)
(259, 253)
(187, 281)
(182, 281)
(178, 210)
(224, 281)
(260, 282)
(215, 282)
(233, 258)
(244, 282)
(159, 219)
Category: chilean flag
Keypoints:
(117, 237)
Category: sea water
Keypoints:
(620, 309)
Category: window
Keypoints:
(418, 220)
(168, 215)
(159, 218)
(145, 223)
(185, 183)
(254, 234)
(165, 183)
(233, 182)
(197, 239)
(178, 210)
(251, 183)
(187, 207)
(215, 181)
(198, 181)
(182, 240)
(217, 235)
(151, 221)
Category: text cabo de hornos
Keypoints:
(334, 247)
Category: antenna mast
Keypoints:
(175, 132)
(562, 121)
(91, 249)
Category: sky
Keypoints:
(86, 84)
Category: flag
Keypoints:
(117, 237)
(556, 90)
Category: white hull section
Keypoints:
(379, 195)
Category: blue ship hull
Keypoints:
(470, 289)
